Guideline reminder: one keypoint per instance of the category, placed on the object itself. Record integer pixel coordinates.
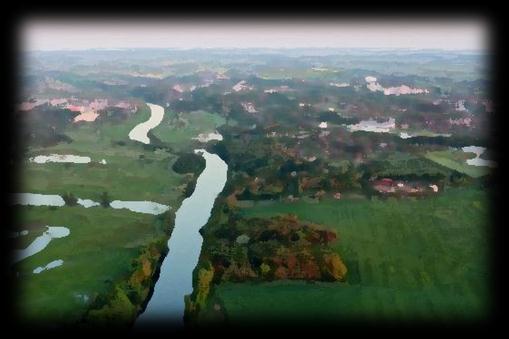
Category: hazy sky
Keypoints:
(367, 33)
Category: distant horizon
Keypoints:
(80, 35)
(112, 49)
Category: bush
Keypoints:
(189, 163)
(105, 199)
(191, 185)
(70, 199)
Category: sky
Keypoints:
(45, 34)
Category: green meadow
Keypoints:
(128, 174)
(178, 130)
(407, 259)
(103, 243)
(456, 160)
(97, 253)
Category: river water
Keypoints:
(139, 132)
(166, 305)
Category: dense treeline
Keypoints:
(189, 163)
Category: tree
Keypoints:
(265, 269)
(189, 163)
(105, 199)
(70, 199)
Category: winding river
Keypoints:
(139, 132)
(176, 277)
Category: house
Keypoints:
(75, 108)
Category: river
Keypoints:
(139, 132)
(166, 305)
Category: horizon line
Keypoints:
(112, 49)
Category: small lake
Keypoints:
(41, 242)
(76, 159)
(140, 206)
(139, 132)
(176, 276)
(371, 125)
(35, 199)
(478, 161)
(87, 203)
(53, 264)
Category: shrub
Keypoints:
(105, 199)
(70, 199)
(189, 163)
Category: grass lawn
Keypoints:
(407, 259)
(103, 241)
(456, 160)
(98, 252)
(179, 132)
(129, 173)
(274, 73)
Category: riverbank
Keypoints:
(98, 254)
(143, 280)
(402, 258)
(111, 256)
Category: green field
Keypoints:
(456, 160)
(402, 164)
(128, 174)
(179, 131)
(124, 178)
(270, 73)
(419, 252)
(97, 253)
(407, 259)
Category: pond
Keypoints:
(35, 199)
(41, 242)
(76, 159)
(148, 207)
(87, 203)
(478, 161)
(53, 264)
(371, 125)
